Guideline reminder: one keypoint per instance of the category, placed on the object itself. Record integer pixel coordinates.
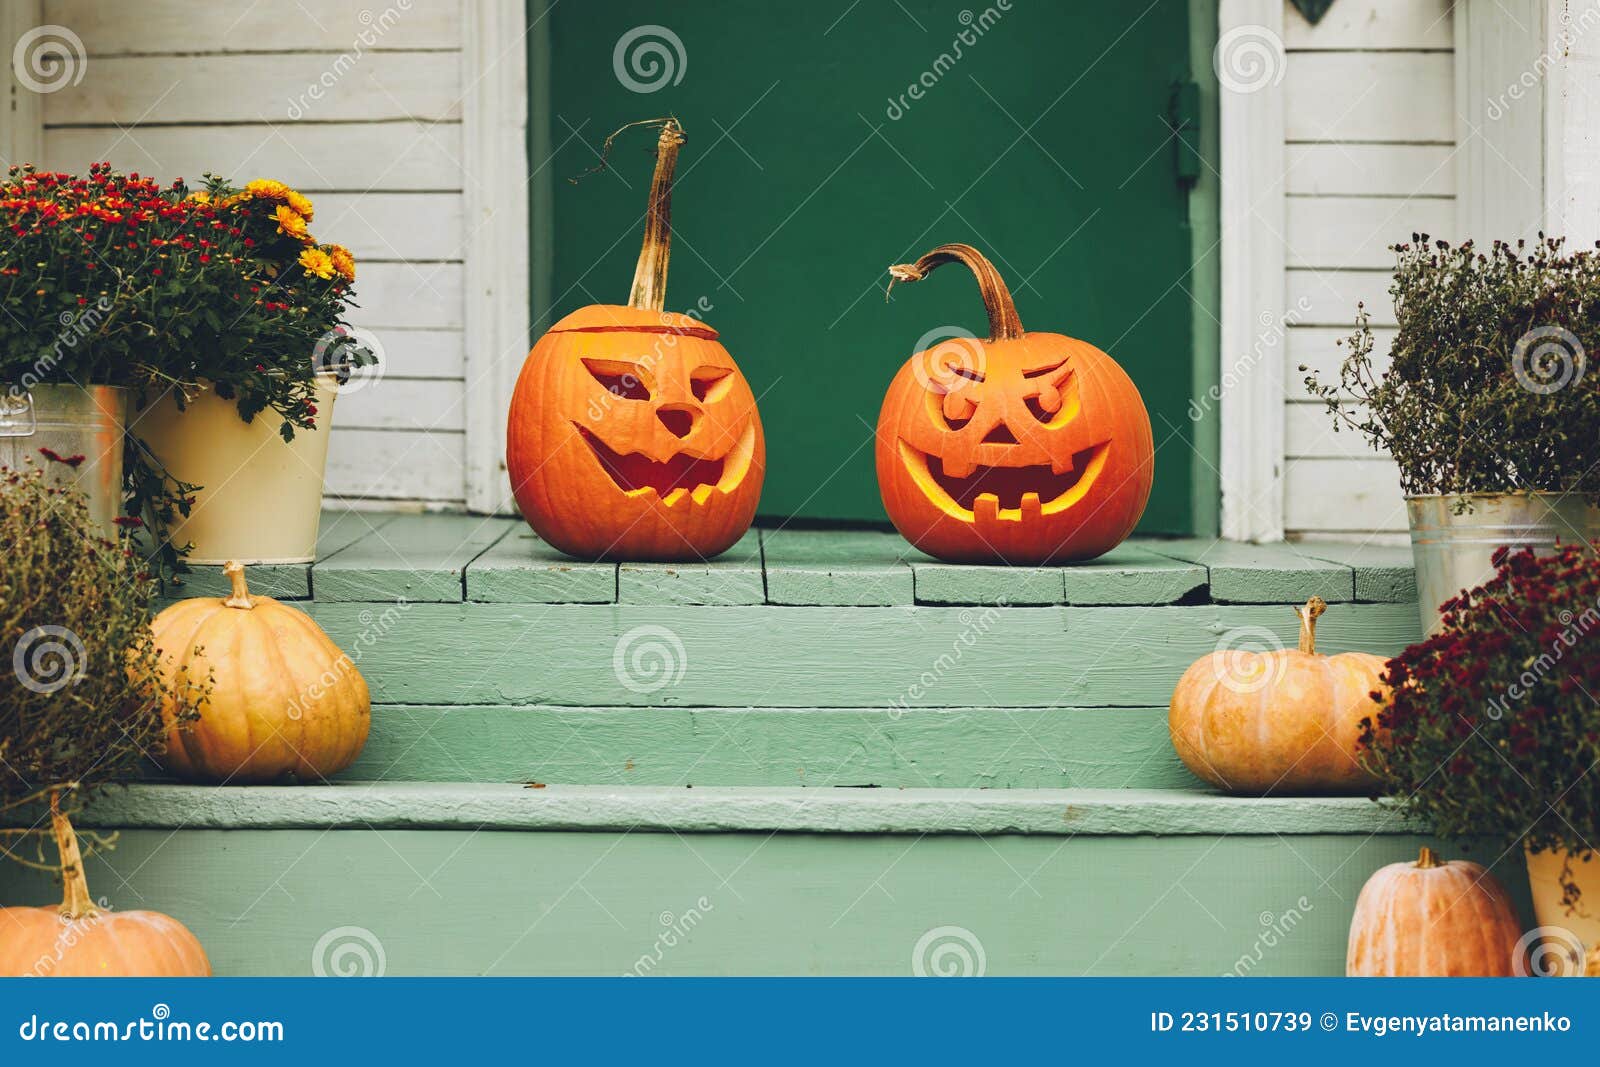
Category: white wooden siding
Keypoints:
(1370, 126)
(175, 89)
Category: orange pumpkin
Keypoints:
(1432, 919)
(1024, 448)
(632, 434)
(1278, 721)
(283, 699)
(78, 940)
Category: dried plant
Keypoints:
(1488, 388)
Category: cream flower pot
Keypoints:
(260, 497)
(1566, 934)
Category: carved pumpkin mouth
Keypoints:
(1007, 493)
(684, 476)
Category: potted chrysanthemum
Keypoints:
(261, 312)
(1493, 732)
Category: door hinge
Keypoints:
(1183, 116)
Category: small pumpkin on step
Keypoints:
(1279, 721)
(78, 940)
(1434, 919)
(283, 699)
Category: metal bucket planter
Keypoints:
(69, 421)
(1452, 552)
(260, 497)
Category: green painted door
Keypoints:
(829, 140)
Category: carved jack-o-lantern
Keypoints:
(1024, 448)
(632, 433)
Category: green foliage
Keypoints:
(1494, 729)
(1488, 388)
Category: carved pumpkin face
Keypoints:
(633, 435)
(1025, 448)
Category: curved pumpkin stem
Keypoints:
(1308, 622)
(76, 903)
(649, 291)
(1428, 858)
(1004, 325)
(241, 597)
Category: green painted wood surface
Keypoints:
(479, 901)
(764, 656)
(807, 169)
(336, 531)
(722, 809)
(521, 569)
(415, 558)
(732, 578)
(1108, 748)
(1129, 574)
(1263, 574)
(857, 568)
(1382, 572)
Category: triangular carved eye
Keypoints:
(710, 384)
(619, 377)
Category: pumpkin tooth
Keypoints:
(676, 495)
(986, 507)
(1030, 506)
(702, 492)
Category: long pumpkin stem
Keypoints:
(1308, 622)
(76, 903)
(241, 597)
(1004, 325)
(649, 291)
(1427, 858)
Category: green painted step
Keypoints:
(452, 879)
(440, 558)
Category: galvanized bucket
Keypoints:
(1452, 551)
(69, 421)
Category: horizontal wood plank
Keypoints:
(1329, 297)
(763, 656)
(1384, 572)
(1113, 748)
(392, 226)
(1343, 495)
(522, 569)
(415, 558)
(731, 578)
(282, 87)
(1310, 432)
(424, 296)
(395, 465)
(1370, 170)
(167, 26)
(351, 156)
(1262, 574)
(860, 568)
(1347, 232)
(1319, 349)
(336, 531)
(1383, 24)
(387, 403)
(1369, 96)
(403, 353)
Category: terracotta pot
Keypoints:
(260, 497)
(1566, 935)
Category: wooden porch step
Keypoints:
(480, 879)
(800, 657)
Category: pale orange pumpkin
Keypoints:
(78, 940)
(1277, 721)
(1432, 919)
(283, 698)
(632, 433)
